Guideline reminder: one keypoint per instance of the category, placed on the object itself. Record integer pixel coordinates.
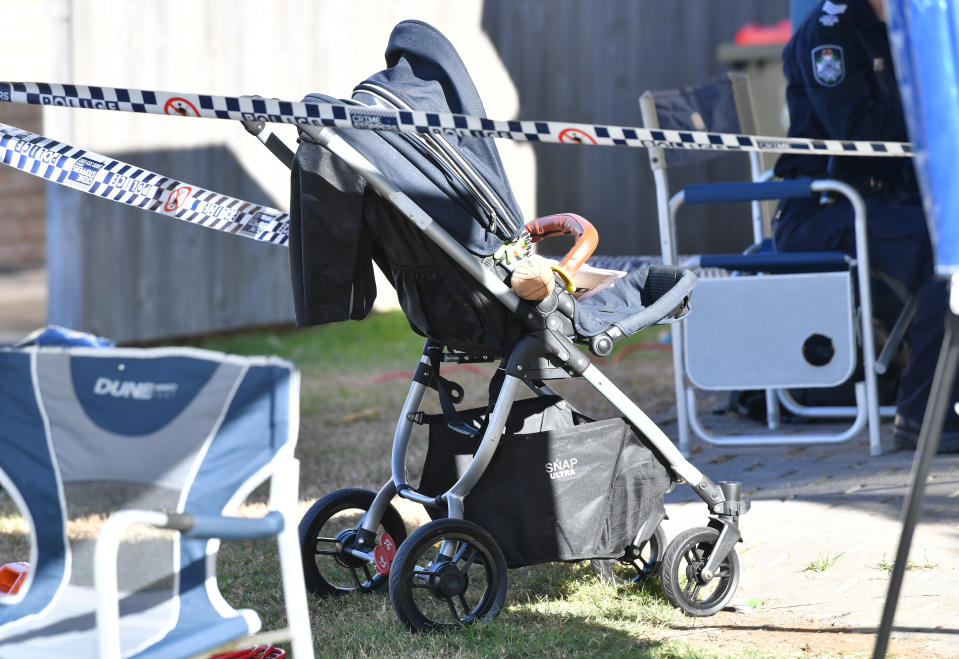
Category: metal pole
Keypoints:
(940, 402)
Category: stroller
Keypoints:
(521, 481)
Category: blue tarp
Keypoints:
(54, 335)
(924, 35)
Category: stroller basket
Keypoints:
(561, 486)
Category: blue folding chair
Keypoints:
(804, 322)
(164, 445)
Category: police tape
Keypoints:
(134, 186)
(252, 108)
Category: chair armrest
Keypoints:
(702, 193)
(774, 262)
(226, 528)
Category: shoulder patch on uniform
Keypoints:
(831, 12)
(828, 66)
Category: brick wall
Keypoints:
(22, 203)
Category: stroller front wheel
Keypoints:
(682, 580)
(448, 573)
(328, 530)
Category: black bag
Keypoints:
(560, 487)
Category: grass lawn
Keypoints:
(355, 378)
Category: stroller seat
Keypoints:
(616, 308)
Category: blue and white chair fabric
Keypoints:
(128, 465)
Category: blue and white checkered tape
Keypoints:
(346, 116)
(134, 186)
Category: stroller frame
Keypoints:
(545, 353)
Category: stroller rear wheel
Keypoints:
(682, 578)
(328, 531)
(638, 563)
(448, 573)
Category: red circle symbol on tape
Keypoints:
(575, 136)
(181, 107)
(177, 198)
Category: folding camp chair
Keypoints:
(803, 323)
(164, 445)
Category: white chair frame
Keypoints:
(867, 411)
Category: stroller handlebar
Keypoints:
(567, 224)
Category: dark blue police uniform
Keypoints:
(841, 85)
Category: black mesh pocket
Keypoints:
(560, 486)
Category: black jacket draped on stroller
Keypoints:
(434, 211)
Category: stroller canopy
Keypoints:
(338, 227)
(426, 73)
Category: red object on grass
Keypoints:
(259, 652)
(12, 576)
(754, 34)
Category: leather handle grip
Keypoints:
(567, 224)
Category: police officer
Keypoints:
(841, 85)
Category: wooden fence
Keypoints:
(589, 62)
(136, 277)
